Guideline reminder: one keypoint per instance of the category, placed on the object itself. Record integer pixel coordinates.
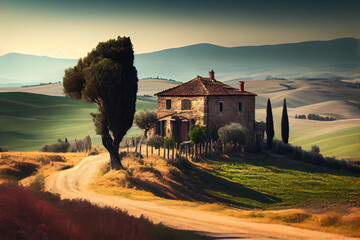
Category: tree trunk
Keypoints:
(112, 147)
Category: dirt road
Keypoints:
(73, 183)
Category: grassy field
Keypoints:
(29, 121)
(146, 87)
(288, 183)
(342, 143)
(340, 138)
(298, 93)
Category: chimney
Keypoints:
(212, 75)
(242, 85)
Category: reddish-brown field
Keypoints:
(27, 215)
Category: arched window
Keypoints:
(185, 104)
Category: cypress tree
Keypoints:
(269, 124)
(285, 124)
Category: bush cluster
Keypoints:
(170, 142)
(317, 117)
(83, 145)
(197, 134)
(233, 133)
(57, 147)
(300, 116)
(156, 141)
(313, 157)
(3, 149)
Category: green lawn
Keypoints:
(280, 182)
(29, 121)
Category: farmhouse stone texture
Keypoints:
(206, 102)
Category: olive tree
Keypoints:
(145, 120)
(233, 133)
(107, 76)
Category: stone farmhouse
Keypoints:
(206, 102)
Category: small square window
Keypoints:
(221, 107)
(168, 104)
(240, 106)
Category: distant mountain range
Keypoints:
(314, 59)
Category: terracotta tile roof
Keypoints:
(200, 86)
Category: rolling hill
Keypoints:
(299, 93)
(340, 138)
(305, 59)
(29, 121)
(146, 87)
(313, 59)
(23, 69)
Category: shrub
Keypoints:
(156, 141)
(94, 152)
(300, 116)
(18, 171)
(296, 217)
(315, 149)
(38, 184)
(169, 142)
(56, 147)
(79, 146)
(256, 215)
(233, 133)
(3, 149)
(296, 153)
(330, 220)
(197, 134)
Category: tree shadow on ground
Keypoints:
(194, 184)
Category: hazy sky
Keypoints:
(71, 28)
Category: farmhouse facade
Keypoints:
(206, 102)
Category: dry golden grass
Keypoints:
(129, 183)
(16, 166)
(340, 218)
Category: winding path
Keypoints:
(73, 183)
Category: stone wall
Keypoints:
(231, 112)
(205, 111)
(196, 113)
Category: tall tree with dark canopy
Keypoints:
(285, 124)
(269, 124)
(107, 77)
